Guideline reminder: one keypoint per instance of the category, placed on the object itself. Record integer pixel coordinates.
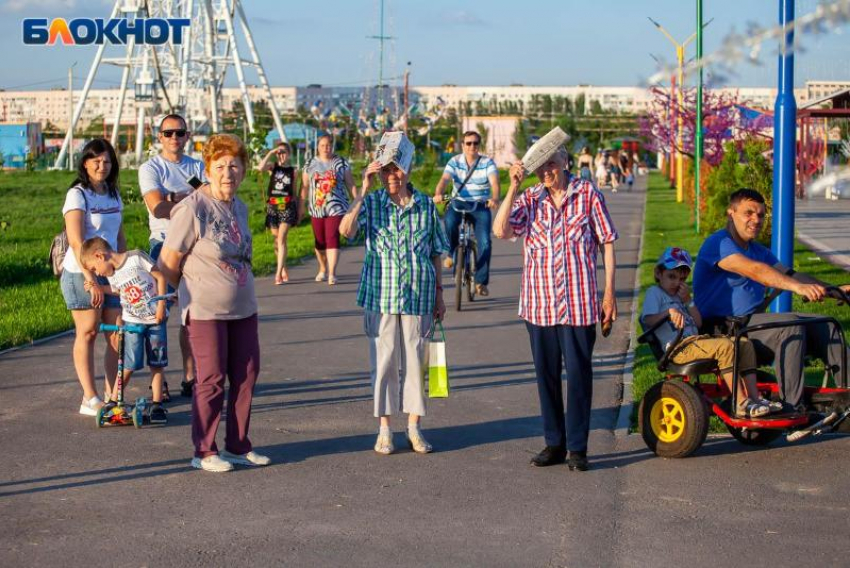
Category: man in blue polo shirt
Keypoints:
(730, 277)
(478, 197)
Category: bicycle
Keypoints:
(464, 258)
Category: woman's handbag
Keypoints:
(59, 246)
(438, 372)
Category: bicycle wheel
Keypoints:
(471, 253)
(460, 265)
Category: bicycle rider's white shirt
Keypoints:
(102, 219)
(136, 285)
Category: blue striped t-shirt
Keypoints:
(478, 187)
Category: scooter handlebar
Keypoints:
(127, 327)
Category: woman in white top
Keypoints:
(93, 208)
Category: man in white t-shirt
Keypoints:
(164, 180)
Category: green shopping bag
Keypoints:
(438, 372)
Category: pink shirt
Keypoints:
(214, 236)
(559, 272)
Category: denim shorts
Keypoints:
(153, 342)
(76, 297)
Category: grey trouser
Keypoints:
(785, 348)
(397, 345)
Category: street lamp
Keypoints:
(680, 58)
(70, 117)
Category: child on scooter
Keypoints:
(133, 276)
(671, 297)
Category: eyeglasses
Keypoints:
(169, 133)
(472, 143)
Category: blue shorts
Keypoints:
(155, 248)
(155, 251)
(76, 297)
(153, 343)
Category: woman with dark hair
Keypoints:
(93, 208)
(326, 182)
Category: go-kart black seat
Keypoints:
(695, 367)
(666, 365)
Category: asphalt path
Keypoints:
(79, 496)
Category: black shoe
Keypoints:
(158, 415)
(578, 461)
(551, 455)
(186, 388)
(166, 396)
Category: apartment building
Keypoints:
(53, 105)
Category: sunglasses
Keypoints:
(169, 133)
(472, 143)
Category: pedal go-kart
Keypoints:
(674, 414)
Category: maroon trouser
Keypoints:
(222, 348)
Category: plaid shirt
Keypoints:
(398, 274)
(559, 272)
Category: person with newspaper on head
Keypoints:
(475, 181)
(562, 224)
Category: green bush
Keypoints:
(754, 172)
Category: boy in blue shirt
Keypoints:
(671, 297)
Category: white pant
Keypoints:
(397, 344)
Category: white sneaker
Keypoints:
(91, 406)
(251, 458)
(212, 463)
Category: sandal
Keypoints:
(332, 280)
(320, 277)
(384, 444)
(751, 409)
(772, 405)
(284, 275)
(278, 280)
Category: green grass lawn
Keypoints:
(668, 223)
(31, 304)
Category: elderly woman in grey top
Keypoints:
(207, 254)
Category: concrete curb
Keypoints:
(37, 342)
(840, 260)
(627, 402)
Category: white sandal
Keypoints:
(320, 277)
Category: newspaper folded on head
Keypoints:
(544, 148)
(395, 148)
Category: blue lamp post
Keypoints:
(784, 154)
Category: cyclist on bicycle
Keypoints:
(475, 191)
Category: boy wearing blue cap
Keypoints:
(672, 297)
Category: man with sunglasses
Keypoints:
(164, 181)
(476, 191)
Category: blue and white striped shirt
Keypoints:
(478, 187)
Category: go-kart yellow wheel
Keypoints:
(673, 419)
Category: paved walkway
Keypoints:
(75, 495)
(824, 226)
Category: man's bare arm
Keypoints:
(769, 276)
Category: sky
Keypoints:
(463, 42)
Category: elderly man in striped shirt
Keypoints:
(400, 289)
(562, 223)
